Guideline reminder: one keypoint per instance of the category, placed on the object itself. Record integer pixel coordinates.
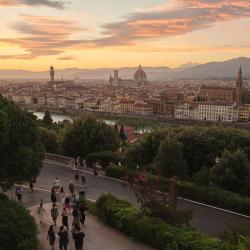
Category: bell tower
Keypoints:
(238, 89)
(52, 73)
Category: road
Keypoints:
(205, 218)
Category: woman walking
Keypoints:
(53, 195)
(65, 218)
(51, 237)
(41, 213)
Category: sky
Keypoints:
(120, 33)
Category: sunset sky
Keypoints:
(117, 33)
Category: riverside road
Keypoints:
(205, 218)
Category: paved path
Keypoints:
(206, 219)
(97, 235)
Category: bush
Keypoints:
(105, 157)
(209, 194)
(15, 220)
(152, 231)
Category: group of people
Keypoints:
(71, 206)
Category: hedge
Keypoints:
(210, 195)
(105, 157)
(152, 231)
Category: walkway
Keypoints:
(98, 236)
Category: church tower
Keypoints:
(238, 89)
(52, 73)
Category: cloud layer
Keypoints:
(49, 3)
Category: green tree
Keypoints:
(169, 159)
(18, 228)
(233, 171)
(47, 120)
(51, 140)
(20, 145)
(87, 135)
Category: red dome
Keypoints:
(140, 75)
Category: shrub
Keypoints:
(152, 231)
(15, 220)
(209, 194)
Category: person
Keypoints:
(78, 237)
(67, 204)
(63, 238)
(74, 201)
(19, 193)
(95, 169)
(31, 185)
(51, 237)
(76, 214)
(54, 213)
(41, 213)
(71, 188)
(65, 218)
(83, 178)
(62, 194)
(77, 179)
(82, 214)
(57, 184)
(53, 195)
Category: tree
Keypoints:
(51, 140)
(21, 149)
(47, 120)
(87, 135)
(169, 159)
(233, 172)
(18, 228)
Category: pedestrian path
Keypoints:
(97, 235)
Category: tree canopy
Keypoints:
(47, 120)
(20, 145)
(87, 135)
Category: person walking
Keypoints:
(41, 213)
(19, 193)
(65, 218)
(71, 188)
(63, 238)
(83, 178)
(51, 237)
(54, 213)
(62, 195)
(95, 169)
(57, 184)
(77, 179)
(82, 211)
(67, 204)
(31, 185)
(78, 237)
(76, 214)
(53, 195)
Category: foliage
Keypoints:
(47, 120)
(202, 177)
(87, 135)
(20, 145)
(15, 220)
(152, 231)
(233, 172)
(158, 204)
(169, 159)
(105, 158)
(208, 194)
(244, 243)
(51, 140)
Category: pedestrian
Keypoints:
(51, 237)
(67, 204)
(74, 201)
(31, 185)
(63, 238)
(77, 179)
(95, 169)
(62, 194)
(41, 213)
(65, 218)
(57, 184)
(19, 193)
(53, 195)
(83, 178)
(54, 213)
(71, 188)
(82, 211)
(78, 237)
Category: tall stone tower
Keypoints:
(238, 89)
(52, 73)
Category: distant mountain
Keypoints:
(226, 69)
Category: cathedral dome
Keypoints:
(140, 75)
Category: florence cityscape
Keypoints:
(125, 125)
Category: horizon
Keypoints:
(154, 33)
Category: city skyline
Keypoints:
(84, 34)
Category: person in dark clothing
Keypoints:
(76, 214)
(19, 193)
(78, 237)
(71, 188)
(82, 214)
(65, 218)
(51, 237)
(53, 195)
(63, 238)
